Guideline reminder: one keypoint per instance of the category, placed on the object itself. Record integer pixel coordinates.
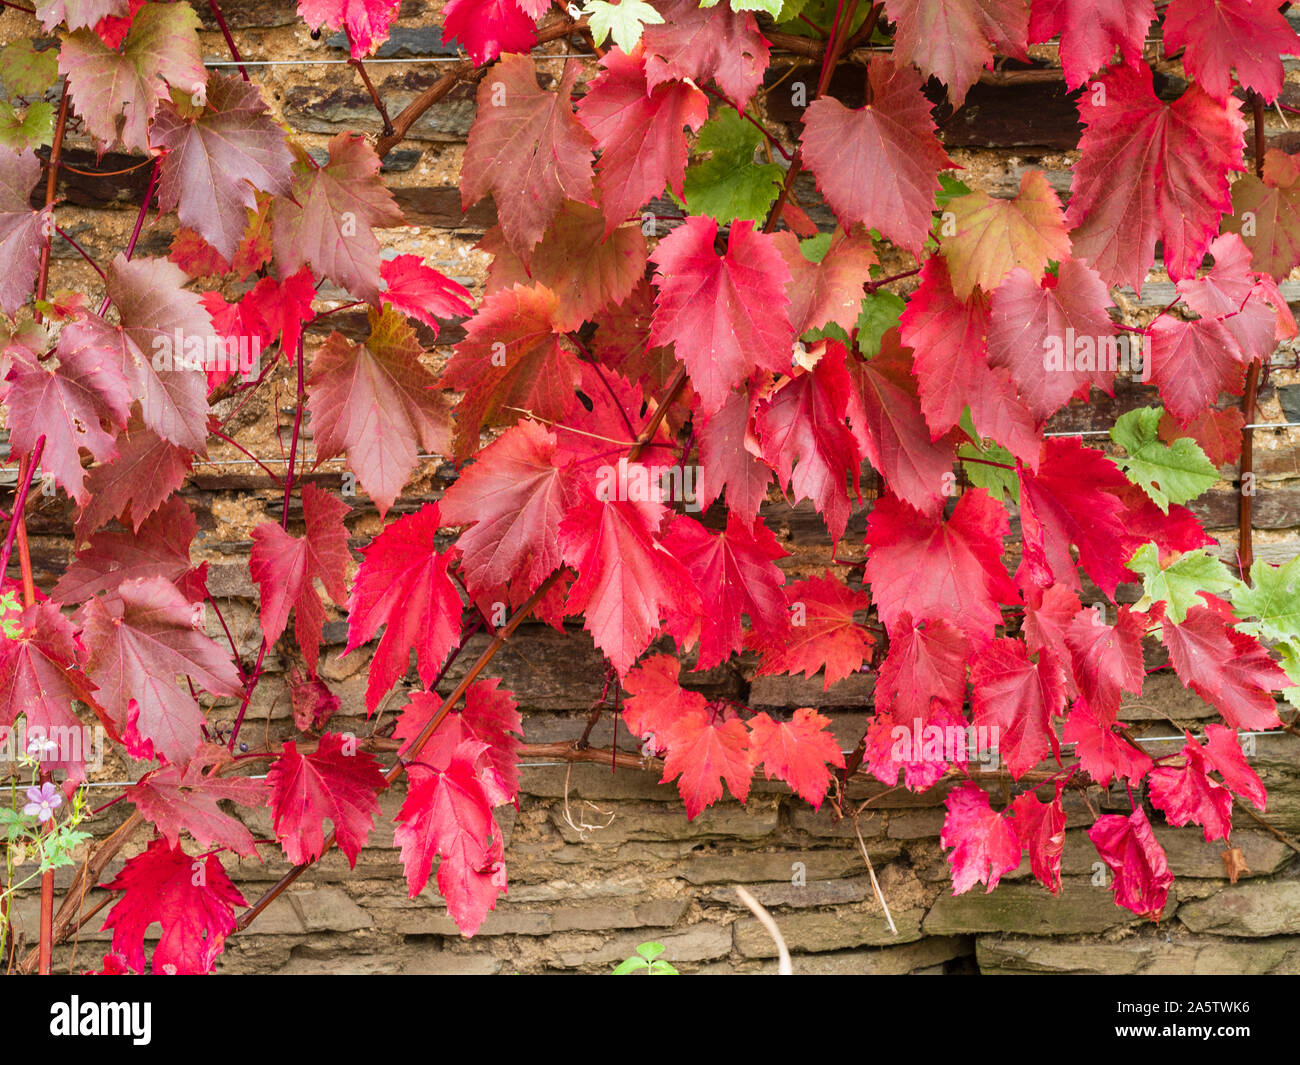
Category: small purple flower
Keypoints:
(42, 802)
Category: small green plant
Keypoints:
(31, 830)
(9, 605)
(646, 961)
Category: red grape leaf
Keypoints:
(159, 547)
(1230, 670)
(704, 751)
(1218, 432)
(374, 402)
(490, 715)
(528, 150)
(193, 900)
(116, 92)
(627, 581)
(725, 314)
(146, 471)
(66, 405)
(697, 44)
(237, 323)
(137, 645)
(818, 632)
(158, 316)
(985, 847)
(78, 13)
(327, 221)
(657, 705)
(829, 290)
(931, 568)
(284, 308)
(212, 164)
(955, 39)
(1219, 36)
(1048, 613)
(1016, 699)
(1223, 752)
(22, 230)
(511, 360)
(403, 583)
(1250, 305)
(1055, 337)
(993, 237)
(622, 342)
(948, 338)
(1187, 793)
(924, 666)
(416, 289)
(488, 27)
(1040, 827)
(1090, 32)
(1069, 501)
(1267, 214)
(639, 132)
(335, 782)
(878, 165)
(797, 751)
(805, 439)
(39, 678)
(1192, 362)
(731, 458)
(313, 702)
(1129, 847)
(1150, 169)
(735, 573)
(920, 745)
(1102, 753)
(511, 499)
(365, 21)
(885, 416)
(449, 813)
(586, 265)
(1107, 659)
(178, 797)
(286, 568)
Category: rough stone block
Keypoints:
(1150, 954)
(1259, 908)
(829, 930)
(644, 821)
(700, 942)
(1028, 909)
(744, 867)
(329, 909)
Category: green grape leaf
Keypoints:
(1180, 582)
(815, 248)
(880, 312)
(999, 483)
(949, 189)
(729, 184)
(1168, 474)
(624, 21)
(772, 7)
(1289, 660)
(1271, 602)
(28, 72)
(33, 130)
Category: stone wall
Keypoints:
(600, 861)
